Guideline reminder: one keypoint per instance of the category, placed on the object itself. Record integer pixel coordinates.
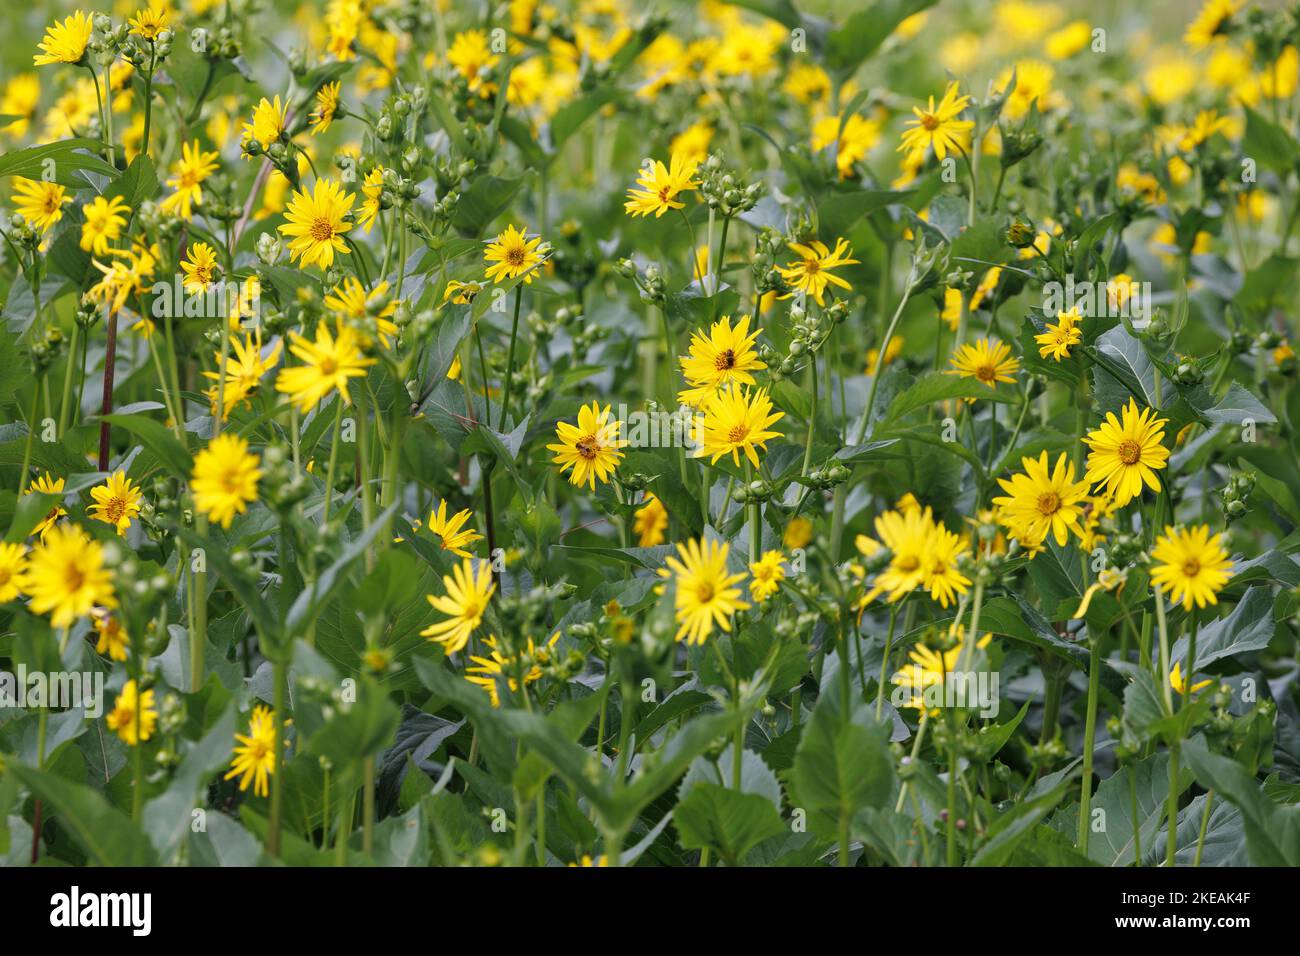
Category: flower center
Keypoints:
(1129, 451)
(328, 366)
(726, 360)
(704, 592)
(811, 266)
(322, 230)
(515, 256)
(1191, 567)
(73, 578)
(114, 509)
(929, 121)
(473, 611)
(1049, 503)
(908, 562)
(987, 374)
(737, 434)
(587, 446)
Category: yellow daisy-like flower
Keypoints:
(461, 293)
(928, 671)
(1060, 338)
(514, 254)
(937, 127)
(117, 501)
(134, 716)
(706, 594)
(200, 266)
(1043, 501)
(723, 357)
(66, 577)
(1212, 22)
(472, 58)
(1127, 452)
(650, 522)
(46, 484)
(765, 576)
(224, 481)
(815, 269)
(906, 534)
(352, 301)
(103, 222)
(267, 124)
(327, 104)
(797, 534)
(490, 672)
(149, 22)
(254, 761)
(660, 186)
(112, 639)
(13, 570)
(464, 604)
(328, 363)
(737, 421)
(590, 448)
(941, 576)
(371, 189)
(39, 203)
(188, 174)
(892, 351)
(244, 370)
(987, 360)
(1179, 683)
(1191, 565)
(65, 42)
(858, 137)
(316, 222)
(451, 532)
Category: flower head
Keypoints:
(766, 575)
(111, 637)
(1178, 683)
(464, 604)
(134, 716)
(814, 270)
(243, 373)
(725, 356)
(706, 593)
(498, 668)
(1043, 501)
(1191, 565)
(327, 104)
(13, 569)
(47, 484)
(351, 301)
(200, 267)
(267, 125)
(66, 577)
(737, 421)
(316, 222)
(451, 532)
(514, 254)
(988, 361)
(660, 186)
(39, 202)
(327, 364)
(188, 174)
(650, 522)
(117, 501)
(589, 450)
(65, 42)
(103, 223)
(149, 22)
(1061, 337)
(1127, 452)
(938, 127)
(255, 754)
(225, 477)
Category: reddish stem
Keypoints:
(110, 361)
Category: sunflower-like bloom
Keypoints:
(111, 638)
(650, 522)
(200, 267)
(1127, 452)
(1191, 565)
(316, 223)
(327, 104)
(706, 594)
(47, 484)
(725, 356)
(39, 203)
(937, 126)
(451, 532)
(117, 501)
(13, 571)
(244, 371)
(497, 668)
(736, 421)
(225, 478)
(472, 57)
(134, 716)
(149, 22)
(814, 270)
(941, 575)
(661, 185)
(907, 536)
(988, 361)
(1043, 501)
(254, 761)
(514, 254)
(1212, 22)
(267, 124)
(927, 673)
(591, 449)
(765, 576)
(1061, 337)
(372, 187)
(328, 363)
(66, 577)
(103, 223)
(65, 42)
(852, 143)
(351, 301)
(464, 604)
(188, 174)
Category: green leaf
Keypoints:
(167, 816)
(1013, 826)
(57, 162)
(308, 605)
(1112, 841)
(864, 31)
(159, 440)
(941, 387)
(1249, 627)
(727, 821)
(1268, 144)
(1272, 831)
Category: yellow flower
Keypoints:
(692, 143)
(461, 293)
(327, 104)
(907, 535)
(987, 286)
(149, 22)
(941, 576)
(514, 254)
(1119, 289)
(1191, 565)
(660, 186)
(188, 174)
(930, 669)
(316, 223)
(815, 268)
(852, 143)
(267, 124)
(1069, 40)
(351, 301)
(938, 126)
(706, 594)
(988, 361)
(112, 638)
(723, 357)
(1042, 501)
(371, 188)
(464, 604)
(1125, 454)
(46, 484)
(200, 267)
(650, 521)
(798, 532)
(103, 223)
(13, 570)
(22, 95)
(117, 501)
(807, 82)
(737, 420)
(1212, 23)
(766, 575)
(451, 532)
(892, 351)
(66, 577)
(1060, 338)
(951, 312)
(473, 59)
(255, 754)
(39, 202)
(328, 363)
(490, 672)
(1177, 682)
(133, 716)
(1033, 85)
(244, 371)
(225, 478)
(65, 42)
(591, 448)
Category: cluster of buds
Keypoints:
(725, 191)
(46, 352)
(1018, 144)
(768, 246)
(808, 333)
(1188, 372)
(757, 490)
(224, 45)
(399, 113)
(23, 235)
(282, 486)
(650, 283)
(1232, 497)
(106, 40)
(828, 476)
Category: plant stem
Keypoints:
(280, 676)
(1089, 741)
(334, 456)
(510, 362)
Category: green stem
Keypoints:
(334, 456)
(1089, 741)
(510, 362)
(280, 676)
